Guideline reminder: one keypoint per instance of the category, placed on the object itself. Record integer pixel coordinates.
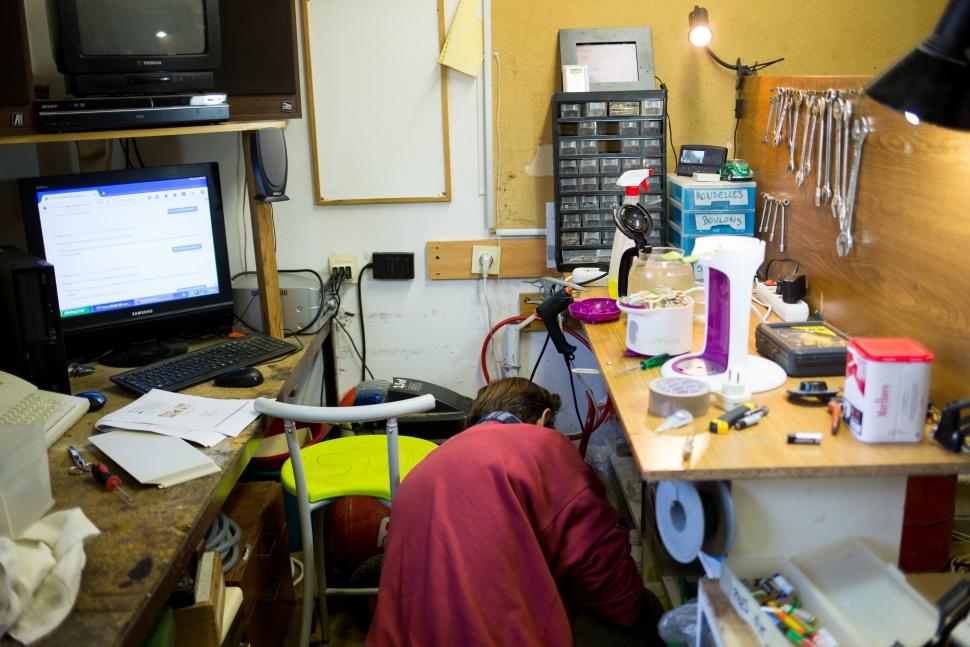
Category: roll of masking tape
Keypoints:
(667, 394)
(680, 519)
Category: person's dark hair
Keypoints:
(521, 397)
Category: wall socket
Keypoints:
(478, 251)
(346, 261)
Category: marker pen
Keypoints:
(805, 438)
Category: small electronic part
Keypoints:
(696, 158)
(805, 438)
(809, 390)
(723, 423)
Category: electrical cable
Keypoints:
(360, 321)
(670, 128)
(572, 389)
(505, 322)
(535, 367)
(595, 278)
(223, 535)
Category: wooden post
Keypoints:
(264, 243)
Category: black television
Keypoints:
(110, 47)
(139, 255)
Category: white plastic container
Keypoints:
(656, 331)
(25, 481)
(887, 386)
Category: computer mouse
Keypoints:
(240, 378)
(96, 398)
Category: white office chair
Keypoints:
(341, 467)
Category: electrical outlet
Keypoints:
(787, 311)
(478, 251)
(350, 262)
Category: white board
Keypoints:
(378, 102)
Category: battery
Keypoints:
(803, 349)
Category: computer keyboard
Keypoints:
(21, 403)
(194, 367)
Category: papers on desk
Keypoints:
(152, 459)
(204, 421)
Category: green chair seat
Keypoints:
(355, 465)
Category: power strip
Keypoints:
(787, 311)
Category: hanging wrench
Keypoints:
(837, 178)
(784, 115)
(784, 210)
(846, 135)
(764, 210)
(820, 171)
(772, 104)
(830, 97)
(774, 219)
(808, 141)
(793, 136)
(860, 130)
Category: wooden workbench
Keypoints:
(145, 547)
(787, 498)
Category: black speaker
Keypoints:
(16, 81)
(260, 68)
(269, 164)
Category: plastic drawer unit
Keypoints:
(698, 209)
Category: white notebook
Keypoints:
(153, 459)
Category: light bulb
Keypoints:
(911, 117)
(700, 36)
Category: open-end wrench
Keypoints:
(820, 171)
(772, 104)
(764, 210)
(830, 97)
(846, 136)
(774, 219)
(837, 178)
(783, 115)
(793, 135)
(860, 130)
(784, 211)
(808, 140)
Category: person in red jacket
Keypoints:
(503, 535)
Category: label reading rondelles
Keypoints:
(706, 197)
(708, 221)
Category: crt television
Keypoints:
(136, 46)
(139, 255)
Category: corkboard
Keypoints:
(820, 37)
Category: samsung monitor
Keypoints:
(139, 256)
(136, 47)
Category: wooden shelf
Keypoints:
(171, 131)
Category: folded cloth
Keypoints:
(40, 574)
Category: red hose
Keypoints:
(505, 322)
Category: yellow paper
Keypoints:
(465, 45)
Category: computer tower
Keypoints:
(30, 323)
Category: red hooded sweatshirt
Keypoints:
(497, 538)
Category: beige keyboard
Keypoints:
(23, 404)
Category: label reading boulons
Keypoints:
(707, 221)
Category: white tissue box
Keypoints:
(25, 479)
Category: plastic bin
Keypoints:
(25, 480)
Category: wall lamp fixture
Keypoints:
(700, 36)
(932, 82)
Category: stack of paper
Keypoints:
(152, 459)
(204, 421)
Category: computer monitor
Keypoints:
(139, 256)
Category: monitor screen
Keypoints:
(132, 249)
(156, 28)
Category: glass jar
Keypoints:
(650, 270)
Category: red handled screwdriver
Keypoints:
(103, 475)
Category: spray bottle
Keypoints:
(632, 181)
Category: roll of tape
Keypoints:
(680, 519)
(667, 394)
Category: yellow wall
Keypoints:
(815, 37)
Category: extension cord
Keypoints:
(786, 311)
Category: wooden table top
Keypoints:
(144, 547)
(760, 451)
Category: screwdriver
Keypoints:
(104, 476)
(644, 364)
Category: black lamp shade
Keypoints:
(932, 82)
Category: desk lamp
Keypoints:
(700, 36)
(931, 82)
(729, 264)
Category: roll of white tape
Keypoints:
(667, 394)
(680, 519)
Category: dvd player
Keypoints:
(136, 111)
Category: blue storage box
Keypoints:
(711, 196)
(677, 238)
(708, 223)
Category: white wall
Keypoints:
(429, 330)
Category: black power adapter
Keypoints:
(792, 289)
